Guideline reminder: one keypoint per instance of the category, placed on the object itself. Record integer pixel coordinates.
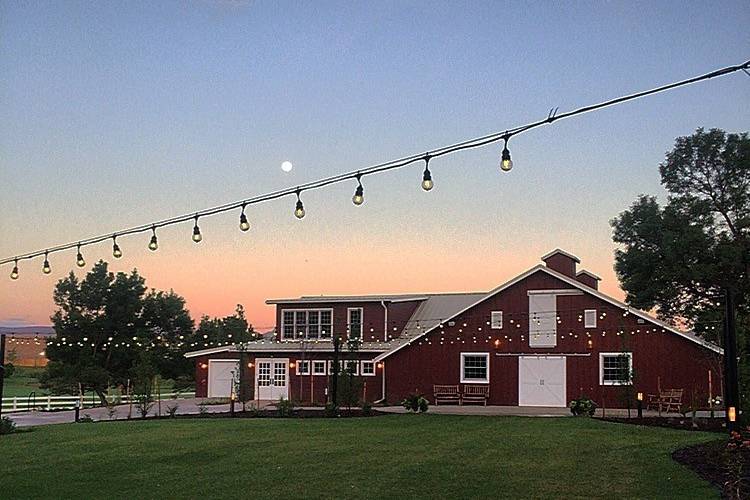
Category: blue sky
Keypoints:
(118, 113)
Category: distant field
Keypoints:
(397, 456)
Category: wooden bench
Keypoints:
(669, 400)
(446, 393)
(476, 394)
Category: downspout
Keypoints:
(382, 376)
(385, 320)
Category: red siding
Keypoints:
(659, 358)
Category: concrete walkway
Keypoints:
(191, 407)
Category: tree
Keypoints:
(107, 325)
(680, 258)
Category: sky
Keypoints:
(115, 114)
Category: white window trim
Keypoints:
(349, 321)
(602, 355)
(492, 323)
(486, 380)
(328, 337)
(319, 362)
(362, 368)
(299, 362)
(586, 323)
(346, 362)
(330, 366)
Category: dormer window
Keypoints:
(301, 324)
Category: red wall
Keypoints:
(664, 359)
(301, 387)
(373, 315)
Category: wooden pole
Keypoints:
(732, 396)
(2, 370)
(710, 394)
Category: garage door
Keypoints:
(221, 373)
(541, 381)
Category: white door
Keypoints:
(221, 374)
(272, 379)
(541, 381)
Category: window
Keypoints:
(475, 367)
(351, 366)
(589, 318)
(496, 320)
(368, 368)
(306, 324)
(319, 367)
(303, 367)
(330, 367)
(354, 322)
(615, 368)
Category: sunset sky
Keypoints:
(114, 114)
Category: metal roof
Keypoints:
(314, 299)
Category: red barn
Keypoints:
(541, 339)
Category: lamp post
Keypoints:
(2, 370)
(640, 405)
(731, 398)
(77, 409)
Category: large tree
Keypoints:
(680, 258)
(107, 325)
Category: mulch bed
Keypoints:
(712, 462)
(678, 422)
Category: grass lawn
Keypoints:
(23, 382)
(401, 456)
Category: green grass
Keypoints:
(398, 456)
(23, 382)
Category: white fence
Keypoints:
(49, 403)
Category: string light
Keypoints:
(14, 272)
(46, 268)
(116, 252)
(359, 194)
(80, 261)
(427, 183)
(153, 245)
(299, 210)
(244, 224)
(197, 237)
(506, 164)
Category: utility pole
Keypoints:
(731, 386)
(2, 370)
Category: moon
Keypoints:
(286, 166)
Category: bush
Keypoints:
(331, 410)
(203, 409)
(85, 419)
(172, 409)
(366, 409)
(285, 407)
(416, 403)
(9, 370)
(583, 406)
(7, 426)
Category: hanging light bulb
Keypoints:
(506, 163)
(427, 183)
(244, 224)
(154, 243)
(116, 252)
(46, 268)
(14, 272)
(359, 194)
(80, 261)
(197, 237)
(299, 210)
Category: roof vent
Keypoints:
(562, 262)
(588, 279)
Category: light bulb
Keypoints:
(427, 183)
(116, 252)
(506, 163)
(154, 243)
(14, 272)
(197, 237)
(299, 210)
(80, 261)
(359, 194)
(46, 268)
(244, 224)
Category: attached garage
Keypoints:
(541, 381)
(221, 374)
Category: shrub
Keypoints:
(111, 411)
(285, 407)
(416, 403)
(203, 409)
(85, 419)
(9, 370)
(366, 408)
(583, 406)
(172, 409)
(331, 410)
(7, 426)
